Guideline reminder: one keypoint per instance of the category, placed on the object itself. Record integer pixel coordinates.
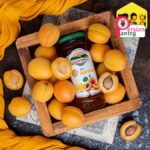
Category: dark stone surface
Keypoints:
(141, 70)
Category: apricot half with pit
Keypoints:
(61, 68)
(47, 52)
(98, 51)
(42, 91)
(72, 116)
(98, 33)
(48, 34)
(115, 96)
(64, 91)
(115, 60)
(108, 82)
(130, 130)
(13, 79)
(40, 68)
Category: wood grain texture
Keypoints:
(131, 104)
(41, 108)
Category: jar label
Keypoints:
(83, 75)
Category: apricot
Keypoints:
(55, 108)
(72, 116)
(19, 106)
(1, 88)
(108, 82)
(42, 91)
(130, 130)
(13, 79)
(61, 68)
(98, 33)
(115, 96)
(115, 60)
(40, 68)
(64, 91)
(98, 51)
(47, 52)
(2, 107)
(101, 69)
(48, 35)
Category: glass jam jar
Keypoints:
(74, 48)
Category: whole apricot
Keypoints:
(42, 91)
(13, 79)
(98, 51)
(115, 96)
(108, 82)
(115, 60)
(61, 68)
(72, 116)
(130, 130)
(40, 68)
(64, 91)
(101, 69)
(19, 106)
(55, 108)
(98, 33)
(47, 52)
(48, 34)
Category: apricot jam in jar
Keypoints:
(74, 48)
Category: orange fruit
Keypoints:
(42, 91)
(64, 91)
(61, 68)
(47, 52)
(55, 108)
(98, 51)
(40, 68)
(48, 34)
(19, 106)
(72, 116)
(13, 79)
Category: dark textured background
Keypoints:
(141, 70)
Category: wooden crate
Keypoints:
(133, 101)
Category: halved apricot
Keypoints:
(130, 130)
(108, 82)
(61, 68)
(115, 96)
(13, 79)
(64, 91)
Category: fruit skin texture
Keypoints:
(108, 82)
(19, 106)
(72, 116)
(64, 91)
(115, 60)
(47, 52)
(98, 33)
(42, 91)
(48, 34)
(101, 69)
(2, 107)
(61, 68)
(125, 126)
(40, 68)
(55, 108)
(13, 79)
(115, 96)
(98, 51)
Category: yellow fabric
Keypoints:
(11, 11)
(10, 141)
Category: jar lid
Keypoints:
(71, 36)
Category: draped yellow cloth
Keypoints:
(11, 11)
(10, 141)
